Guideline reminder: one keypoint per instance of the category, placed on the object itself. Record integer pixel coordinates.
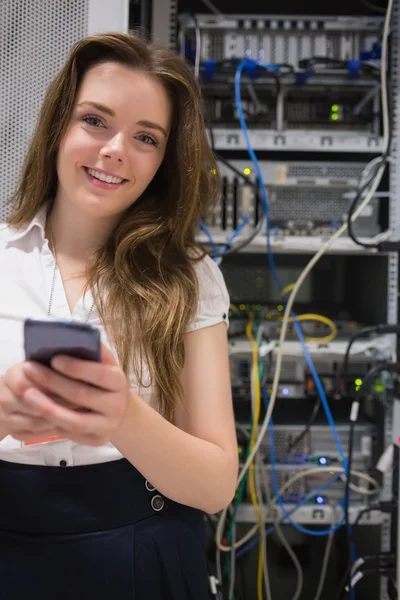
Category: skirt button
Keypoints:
(157, 503)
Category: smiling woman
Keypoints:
(102, 230)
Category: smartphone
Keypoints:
(45, 339)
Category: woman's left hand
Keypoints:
(103, 406)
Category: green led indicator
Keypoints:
(334, 117)
(280, 307)
(357, 388)
(358, 382)
(379, 387)
(334, 107)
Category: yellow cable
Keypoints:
(256, 417)
(234, 307)
(287, 289)
(313, 317)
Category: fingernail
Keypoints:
(59, 362)
(33, 395)
(30, 369)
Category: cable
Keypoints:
(391, 367)
(232, 566)
(283, 540)
(320, 318)
(300, 475)
(282, 520)
(279, 497)
(267, 584)
(312, 317)
(371, 6)
(382, 161)
(261, 221)
(212, 7)
(378, 329)
(307, 427)
(183, 27)
(386, 125)
(259, 465)
(256, 415)
(325, 561)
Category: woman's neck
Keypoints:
(75, 234)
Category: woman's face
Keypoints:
(115, 142)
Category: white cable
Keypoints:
(198, 49)
(325, 561)
(284, 542)
(319, 254)
(212, 7)
(183, 24)
(307, 472)
(218, 564)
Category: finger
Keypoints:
(102, 375)
(64, 390)
(13, 386)
(107, 357)
(74, 421)
(10, 403)
(18, 422)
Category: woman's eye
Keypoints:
(92, 120)
(146, 139)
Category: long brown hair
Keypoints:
(143, 279)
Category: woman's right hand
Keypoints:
(17, 417)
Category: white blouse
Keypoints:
(26, 275)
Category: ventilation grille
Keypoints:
(35, 39)
(326, 172)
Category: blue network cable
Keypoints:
(301, 503)
(279, 498)
(210, 237)
(250, 64)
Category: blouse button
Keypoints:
(224, 316)
(63, 463)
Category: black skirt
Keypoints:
(98, 532)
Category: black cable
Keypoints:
(232, 249)
(371, 6)
(342, 584)
(310, 422)
(347, 496)
(378, 329)
(358, 197)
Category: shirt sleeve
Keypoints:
(213, 304)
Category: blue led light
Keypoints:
(285, 391)
(323, 461)
(319, 500)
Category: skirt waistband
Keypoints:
(84, 499)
